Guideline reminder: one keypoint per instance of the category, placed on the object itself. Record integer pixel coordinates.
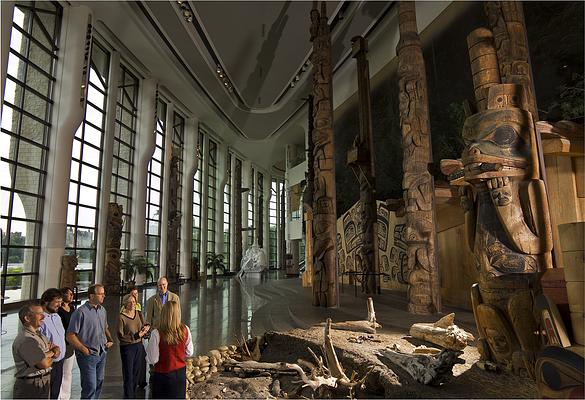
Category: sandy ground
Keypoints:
(385, 381)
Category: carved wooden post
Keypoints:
(419, 197)
(361, 158)
(260, 209)
(324, 206)
(308, 199)
(113, 243)
(174, 220)
(238, 214)
(506, 212)
(68, 272)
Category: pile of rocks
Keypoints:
(203, 367)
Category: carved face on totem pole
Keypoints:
(498, 140)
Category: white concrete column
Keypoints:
(222, 178)
(107, 155)
(145, 143)
(6, 15)
(164, 209)
(204, 203)
(67, 117)
(189, 170)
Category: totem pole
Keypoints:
(361, 159)
(419, 197)
(281, 258)
(260, 209)
(324, 207)
(174, 220)
(308, 199)
(113, 244)
(238, 213)
(68, 272)
(506, 212)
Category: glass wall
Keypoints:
(211, 195)
(196, 237)
(24, 141)
(251, 210)
(227, 191)
(154, 187)
(124, 147)
(178, 146)
(273, 225)
(86, 170)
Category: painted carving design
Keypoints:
(113, 244)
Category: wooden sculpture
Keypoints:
(308, 200)
(507, 219)
(324, 207)
(238, 214)
(281, 261)
(113, 244)
(68, 272)
(423, 275)
(361, 159)
(174, 221)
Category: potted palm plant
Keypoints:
(136, 264)
(215, 262)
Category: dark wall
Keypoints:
(555, 35)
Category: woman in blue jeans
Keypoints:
(131, 330)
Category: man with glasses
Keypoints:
(33, 355)
(88, 333)
(53, 329)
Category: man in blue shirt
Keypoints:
(53, 329)
(88, 333)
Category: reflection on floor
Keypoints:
(225, 309)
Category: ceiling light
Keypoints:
(292, 84)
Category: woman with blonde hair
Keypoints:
(168, 347)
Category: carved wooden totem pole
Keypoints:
(361, 159)
(324, 207)
(506, 211)
(419, 197)
(238, 213)
(174, 220)
(308, 199)
(113, 244)
(68, 273)
(260, 209)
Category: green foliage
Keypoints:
(134, 264)
(571, 97)
(14, 282)
(215, 262)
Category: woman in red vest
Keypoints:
(167, 349)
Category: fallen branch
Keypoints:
(367, 326)
(444, 332)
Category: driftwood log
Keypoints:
(368, 326)
(427, 369)
(444, 332)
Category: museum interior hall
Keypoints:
(352, 199)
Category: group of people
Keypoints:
(54, 331)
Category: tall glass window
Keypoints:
(86, 170)
(211, 195)
(124, 146)
(24, 140)
(273, 224)
(251, 210)
(196, 237)
(154, 187)
(227, 191)
(178, 145)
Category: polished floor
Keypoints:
(223, 310)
